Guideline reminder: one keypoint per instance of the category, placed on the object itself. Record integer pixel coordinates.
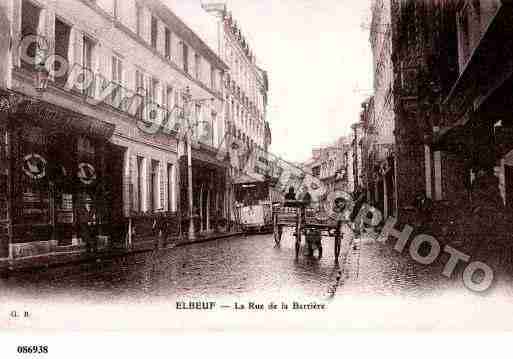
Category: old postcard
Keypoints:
(186, 165)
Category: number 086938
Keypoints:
(32, 349)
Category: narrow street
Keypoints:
(374, 287)
(234, 267)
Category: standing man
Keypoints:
(86, 221)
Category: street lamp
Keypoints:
(188, 101)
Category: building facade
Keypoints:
(378, 114)
(246, 92)
(333, 165)
(91, 113)
(451, 79)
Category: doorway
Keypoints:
(114, 184)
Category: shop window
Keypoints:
(87, 173)
(30, 17)
(33, 203)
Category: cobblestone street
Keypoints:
(238, 266)
(374, 287)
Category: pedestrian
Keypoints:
(86, 220)
(291, 195)
(424, 207)
(307, 197)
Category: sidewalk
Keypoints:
(57, 259)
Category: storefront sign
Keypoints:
(47, 114)
(34, 166)
(86, 173)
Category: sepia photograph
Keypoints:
(255, 165)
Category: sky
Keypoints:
(318, 57)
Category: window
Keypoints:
(169, 98)
(154, 32)
(185, 57)
(197, 66)
(87, 53)
(117, 70)
(29, 26)
(115, 8)
(138, 19)
(212, 77)
(139, 82)
(197, 112)
(140, 90)
(170, 188)
(32, 204)
(62, 45)
(117, 78)
(87, 60)
(152, 99)
(154, 186)
(140, 183)
(153, 90)
(167, 45)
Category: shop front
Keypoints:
(209, 187)
(53, 163)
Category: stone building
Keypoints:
(246, 90)
(451, 82)
(333, 165)
(414, 68)
(246, 135)
(89, 116)
(378, 114)
(472, 142)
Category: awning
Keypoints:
(52, 117)
(249, 179)
(209, 157)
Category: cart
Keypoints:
(306, 221)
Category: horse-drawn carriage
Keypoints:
(309, 222)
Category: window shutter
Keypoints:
(78, 45)
(49, 30)
(103, 75)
